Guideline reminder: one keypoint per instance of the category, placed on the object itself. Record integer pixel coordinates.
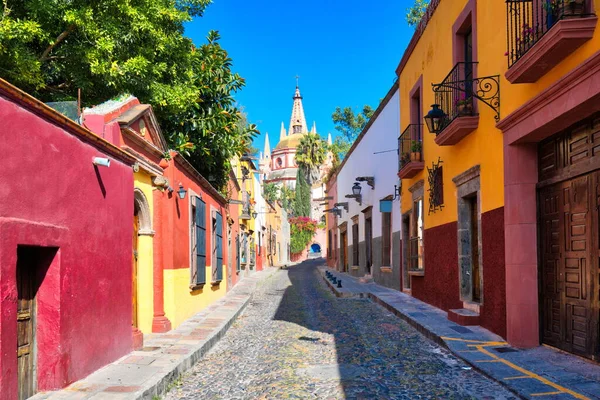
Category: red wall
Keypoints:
(52, 195)
(493, 310)
(235, 230)
(439, 285)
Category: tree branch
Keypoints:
(59, 39)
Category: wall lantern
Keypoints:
(435, 119)
(181, 192)
(254, 214)
(356, 189)
(337, 212)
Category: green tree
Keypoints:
(52, 48)
(349, 123)
(287, 197)
(301, 205)
(310, 155)
(270, 192)
(340, 147)
(416, 12)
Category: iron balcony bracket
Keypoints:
(485, 89)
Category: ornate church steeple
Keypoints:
(298, 121)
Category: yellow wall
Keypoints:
(180, 302)
(145, 282)
(432, 57)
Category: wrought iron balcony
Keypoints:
(561, 24)
(456, 96)
(410, 151)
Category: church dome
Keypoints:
(290, 142)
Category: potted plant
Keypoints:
(415, 150)
(551, 8)
(405, 159)
(525, 41)
(464, 105)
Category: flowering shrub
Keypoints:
(302, 230)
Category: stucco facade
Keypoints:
(373, 155)
(67, 223)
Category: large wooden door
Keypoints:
(369, 243)
(344, 251)
(568, 235)
(26, 323)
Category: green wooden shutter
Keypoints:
(200, 241)
(238, 253)
(219, 247)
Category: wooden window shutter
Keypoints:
(200, 241)
(386, 234)
(219, 267)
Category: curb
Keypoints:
(161, 387)
(423, 330)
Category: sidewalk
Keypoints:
(148, 373)
(540, 373)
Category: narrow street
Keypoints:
(296, 340)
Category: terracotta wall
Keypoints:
(52, 195)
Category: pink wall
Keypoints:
(332, 260)
(52, 195)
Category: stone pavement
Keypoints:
(540, 373)
(149, 372)
(295, 340)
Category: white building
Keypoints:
(372, 237)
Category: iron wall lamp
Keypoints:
(254, 214)
(181, 192)
(356, 189)
(435, 119)
(344, 205)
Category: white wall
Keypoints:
(381, 136)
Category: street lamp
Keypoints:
(356, 189)
(254, 214)
(435, 119)
(181, 192)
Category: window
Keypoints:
(260, 235)
(198, 238)
(238, 265)
(217, 236)
(355, 244)
(386, 235)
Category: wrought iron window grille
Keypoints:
(455, 94)
(436, 186)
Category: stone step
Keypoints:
(463, 316)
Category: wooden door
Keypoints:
(26, 326)
(567, 235)
(344, 251)
(136, 226)
(369, 243)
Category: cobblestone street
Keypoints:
(296, 340)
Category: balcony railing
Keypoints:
(455, 93)
(410, 145)
(529, 20)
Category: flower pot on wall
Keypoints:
(163, 163)
(574, 8)
(415, 156)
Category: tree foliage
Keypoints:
(416, 12)
(52, 48)
(302, 198)
(310, 155)
(350, 125)
(270, 192)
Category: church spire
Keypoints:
(282, 133)
(313, 130)
(267, 146)
(298, 121)
(329, 141)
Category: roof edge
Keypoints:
(44, 111)
(201, 180)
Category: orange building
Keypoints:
(500, 227)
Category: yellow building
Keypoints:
(504, 77)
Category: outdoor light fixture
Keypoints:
(356, 189)
(435, 119)
(101, 162)
(181, 192)
(254, 214)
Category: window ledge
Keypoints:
(409, 170)
(416, 273)
(385, 269)
(196, 287)
(216, 283)
(562, 40)
(457, 130)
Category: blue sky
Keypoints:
(345, 52)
